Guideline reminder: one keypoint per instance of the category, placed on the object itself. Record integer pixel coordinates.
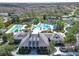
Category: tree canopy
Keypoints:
(1, 24)
(70, 38)
(8, 37)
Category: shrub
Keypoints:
(24, 51)
(47, 31)
(42, 51)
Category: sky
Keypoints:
(38, 1)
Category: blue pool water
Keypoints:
(16, 28)
(39, 27)
(46, 26)
(43, 26)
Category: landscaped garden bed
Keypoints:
(42, 51)
(24, 51)
(47, 31)
(69, 49)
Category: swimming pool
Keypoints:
(46, 26)
(43, 26)
(16, 28)
(39, 27)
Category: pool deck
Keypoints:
(10, 29)
(40, 27)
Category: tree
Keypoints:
(35, 21)
(1, 24)
(8, 37)
(44, 17)
(5, 50)
(75, 26)
(21, 19)
(14, 19)
(4, 38)
(51, 46)
(76, 12)
(60, 25)
(69, 39)
(74, 29)
(75, 21)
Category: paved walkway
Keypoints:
(58, 51)
(66, 28)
